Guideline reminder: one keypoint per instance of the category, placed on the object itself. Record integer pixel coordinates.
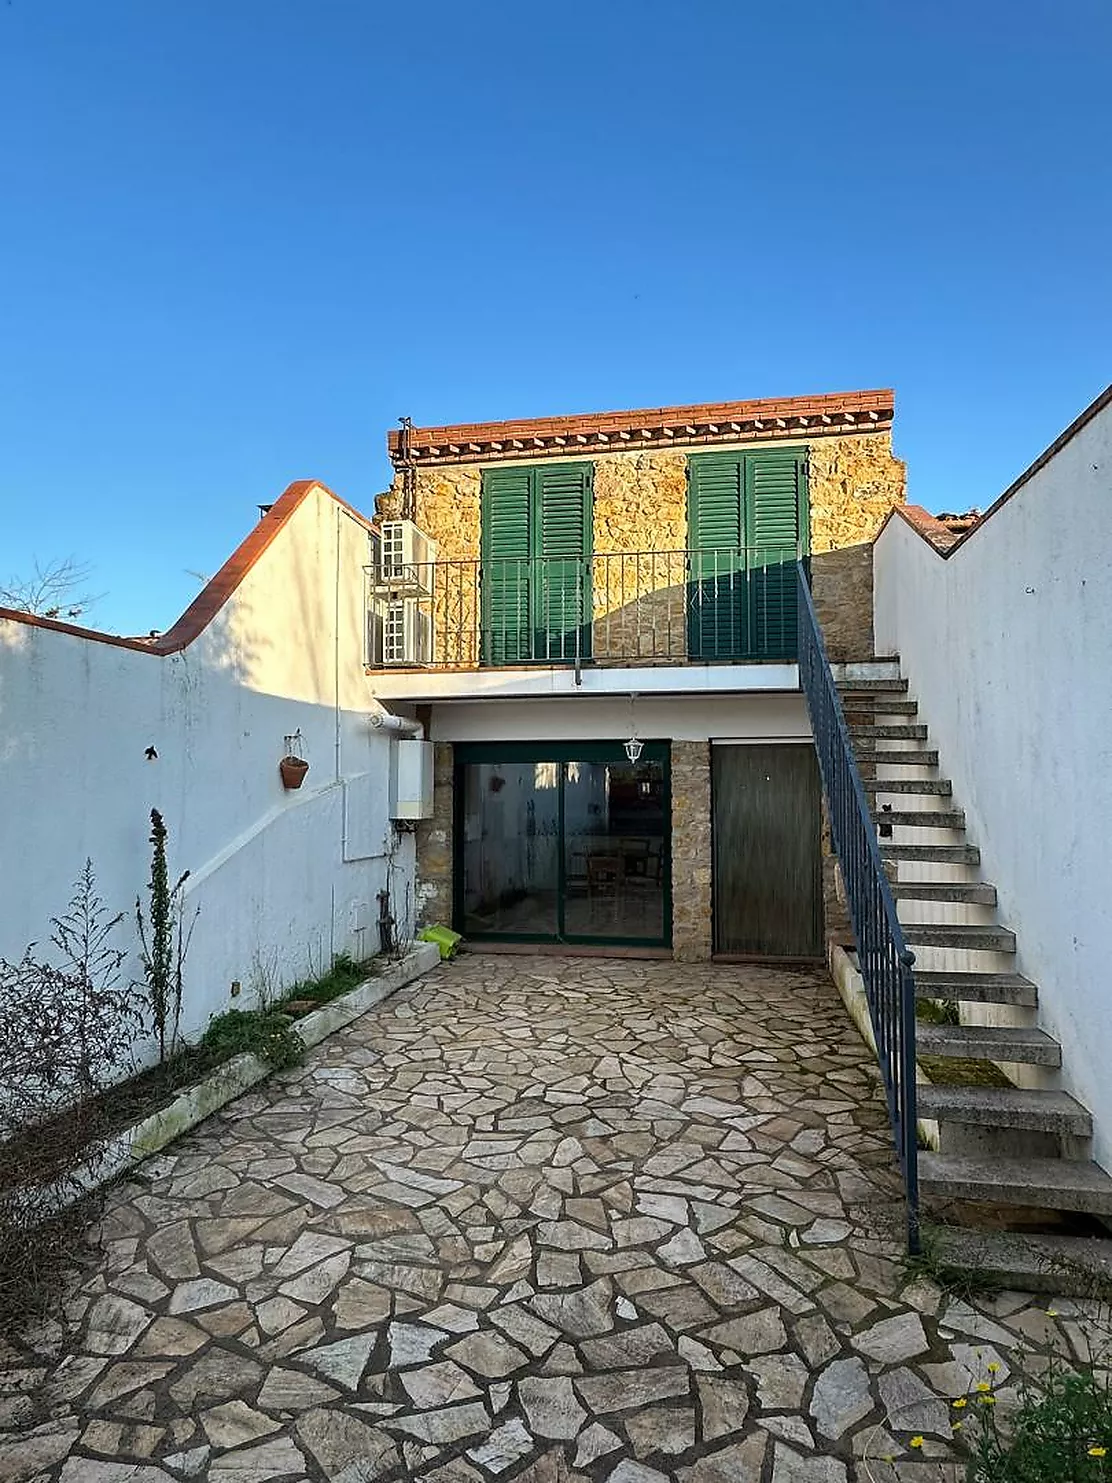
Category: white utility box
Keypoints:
(410, 779)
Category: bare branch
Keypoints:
(55, 589)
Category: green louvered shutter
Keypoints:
(562, 595)
(716, 607)
(507, 536)
(775, 532)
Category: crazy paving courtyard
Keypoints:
(536, 1219)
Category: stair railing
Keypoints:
(882, 954)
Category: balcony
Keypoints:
(727, 606)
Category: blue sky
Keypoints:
(241, 237)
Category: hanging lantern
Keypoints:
(634, 747)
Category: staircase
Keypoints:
(1021, 1144)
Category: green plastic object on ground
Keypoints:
(445, 939)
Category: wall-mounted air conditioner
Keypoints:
(406, 557)
(406, 633)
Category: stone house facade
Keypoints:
(590, 577)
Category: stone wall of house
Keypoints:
(691, 852)
(853, 483)
(640, 515)
(639, 576)
(434, 844)
(842, 588)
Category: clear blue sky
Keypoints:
(240, 237)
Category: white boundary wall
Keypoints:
(283, 879)
(1007, 645)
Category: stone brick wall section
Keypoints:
(691, 852)
(842, 588)
(854, 482)
(434, 844)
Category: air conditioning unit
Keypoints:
(406, 633)
(406, 557)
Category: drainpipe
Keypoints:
(396, 725)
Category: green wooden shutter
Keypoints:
(775, 532)
(562, 594)
(507, 549)
(716, 609)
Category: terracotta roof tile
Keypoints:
(707, 422)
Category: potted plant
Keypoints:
(293, 766)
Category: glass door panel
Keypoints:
(510, 845)
(614, 851)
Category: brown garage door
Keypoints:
(767, 854)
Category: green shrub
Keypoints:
(1061, 1436)
(344, 975)
(264, 1032)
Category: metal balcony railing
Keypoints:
(882, 954)
(721, 605)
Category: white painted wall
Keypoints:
(1007, 645)
(283, 880)
(658, 718)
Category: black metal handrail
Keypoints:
(883, 955)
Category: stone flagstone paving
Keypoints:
(535, 1219)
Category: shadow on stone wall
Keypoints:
(842, 588)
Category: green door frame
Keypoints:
(466, 753)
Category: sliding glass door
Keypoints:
(564, 842)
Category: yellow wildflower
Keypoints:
(992, 1368)
(1098, 1451)
(958, 1404)
(988, 1400)
(983, 1385)
(916, 1442)
(955, 1426)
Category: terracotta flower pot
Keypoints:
(293, 770)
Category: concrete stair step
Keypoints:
(924, 758)
(941, 854)
(867, 707)
(866, 667)
(989, 939)
(861, 685)
(942, 787)
(977, 988)
(922, 818)
(897, 731)
(1006, 1107)
(1010, 1043)
(979, 893)
(1071, 1266)
(1048, 1184)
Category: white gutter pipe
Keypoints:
(396, 725)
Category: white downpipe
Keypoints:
(397, 725)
